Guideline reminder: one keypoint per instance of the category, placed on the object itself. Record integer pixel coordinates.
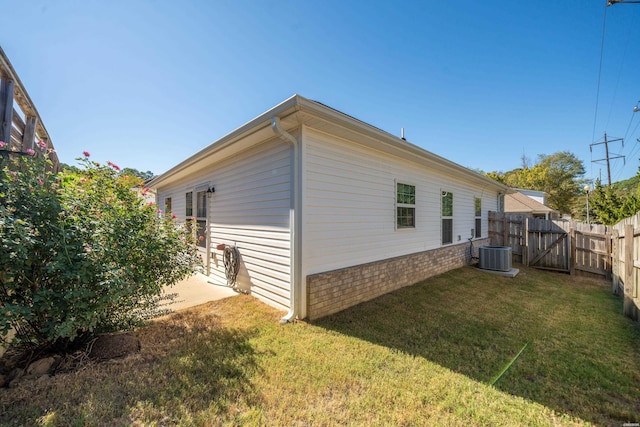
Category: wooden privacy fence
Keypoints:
(572, 247)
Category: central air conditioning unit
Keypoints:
(496, 258)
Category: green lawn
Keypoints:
(423, 355)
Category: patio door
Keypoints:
(202, 224)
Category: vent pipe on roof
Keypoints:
(402, 131)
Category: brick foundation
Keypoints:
(336, 290)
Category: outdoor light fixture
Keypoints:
(210, 191)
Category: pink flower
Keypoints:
(173, 216)
(201, 238)
(30, 152)
(150, 204)
(42, 144)
(145, 191)
(113, 165)
(86, 153)
(2, 144)
(41, 182)
(160, 211)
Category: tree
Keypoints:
(610, 205)
(604, 204)
(496, 176)
(559, 175)
(136, 173)
(563, 179)
(80, 252)
(69, 168)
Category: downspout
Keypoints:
(294, 224)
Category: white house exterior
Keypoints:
(538, 196)
(325, 210)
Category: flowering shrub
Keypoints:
(80, 252)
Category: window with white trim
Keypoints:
(447, 217)
(167, 205)
(478, 208)
(405, 205)
(189, 205)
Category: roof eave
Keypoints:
(331, 114)
(298, 103)
(247, 128)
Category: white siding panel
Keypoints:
(349, 205)
(250, 209)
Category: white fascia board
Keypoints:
(298, 103)
(263, 120)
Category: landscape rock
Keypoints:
(111, 346)
(43, 379)
(13, 377)
(41, 366)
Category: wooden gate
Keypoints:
(592, 250)
(548, 246)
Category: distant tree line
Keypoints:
(561, 176)
(130, 172)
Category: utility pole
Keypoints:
(607, 156)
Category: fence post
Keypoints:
(525, 247)
(572, 251)
(524, 238)
(609, 260)
(615, 262)
(6, 111)
(505, 231)
(628, 307)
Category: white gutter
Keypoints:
(294, 222)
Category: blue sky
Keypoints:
(145, 84)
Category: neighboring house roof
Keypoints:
(518, 202)
(537, 195)
(297, 111)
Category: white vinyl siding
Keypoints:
(348, 218)
(250, 210)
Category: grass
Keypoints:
(423, 355)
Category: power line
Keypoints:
(595, 115)
(635, 147)
(624, 57)
(635, 110)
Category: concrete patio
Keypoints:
(196, 290)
